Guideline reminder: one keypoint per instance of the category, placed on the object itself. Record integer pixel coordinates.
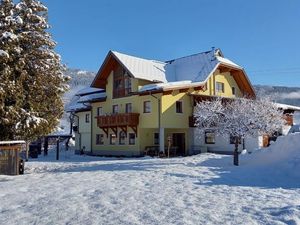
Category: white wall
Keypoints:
(221, 144)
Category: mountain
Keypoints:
(81, 79)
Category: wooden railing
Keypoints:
(117, 120)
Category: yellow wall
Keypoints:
(85, 132)
(148, 122)
(171, 119)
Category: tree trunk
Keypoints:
(236, 153)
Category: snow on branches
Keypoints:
(31, 71)
(238, 118)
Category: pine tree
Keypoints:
(35, 71)
(10, 85)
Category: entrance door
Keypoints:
(179, 142)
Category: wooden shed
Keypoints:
(10, 157)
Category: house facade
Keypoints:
(137, 106)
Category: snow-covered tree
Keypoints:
(30, 96)
(238, 118)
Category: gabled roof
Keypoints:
(145, 69)
(140, 68)
(196, 68)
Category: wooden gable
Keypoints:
(241, 79)
(110, 63)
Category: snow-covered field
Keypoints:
(202, 189)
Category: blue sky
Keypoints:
(262, 36)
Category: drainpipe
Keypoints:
(73, 114)
(159, 121)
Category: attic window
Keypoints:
(220, 87)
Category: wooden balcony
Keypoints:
(121, 120)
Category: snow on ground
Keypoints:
(202, 189)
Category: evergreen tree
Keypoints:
(32, 103)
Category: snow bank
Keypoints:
(282, 156)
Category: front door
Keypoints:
(179, 142)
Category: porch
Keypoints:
(155, 142)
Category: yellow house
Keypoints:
(137, 106)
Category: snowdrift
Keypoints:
(281, 157)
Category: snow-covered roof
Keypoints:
(286, 107)
(92, 97)
(11, 142)
(170, 85)
(78, 107)
(197, 67)
(142, 68)
(89, 90)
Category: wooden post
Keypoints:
(57, 149)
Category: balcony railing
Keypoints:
(118, 120)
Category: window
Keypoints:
(112, 139)
(87, 118)
(156, 138)
(219, 87)
(127, 85)
(122, 138)
(210, 137)
(115, 109)
(99, 139)
(233, 90)
(99, 111)
(232, 140)
(128, 108)
(179, 107)
(147, 106)
(131, 138)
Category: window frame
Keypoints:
(218, 83)
(130, 138)
(116, 106)
(99, 139)
(111, 137)
(87, 118)
(98, 111)
(206, 138)
(126, 108)
(181, 107)
(144, 106)
(123, 138)
(233, 90)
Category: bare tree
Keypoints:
(238, 118)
